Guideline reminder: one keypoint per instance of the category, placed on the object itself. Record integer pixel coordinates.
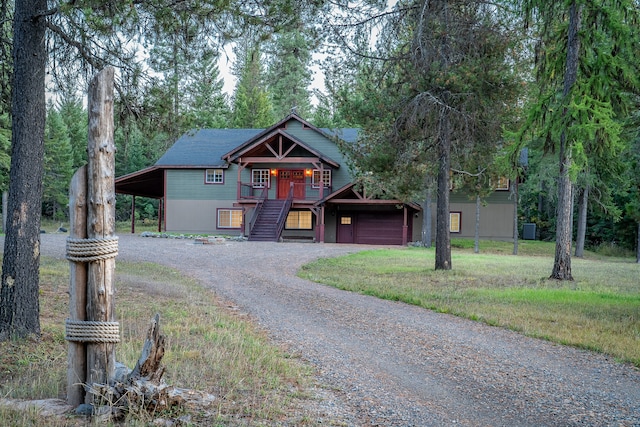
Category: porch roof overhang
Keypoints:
(147, 182)
(348, 195)
(242, 154)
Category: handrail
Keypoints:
(256, 211)
(282, 217)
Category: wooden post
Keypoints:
(77, 351)
(133, 214)
(101, 221)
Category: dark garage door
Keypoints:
(379, 228)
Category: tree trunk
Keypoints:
(562, 263)
(582, 221)
(443, 238)
(426, 216)
(514, 194)
(19, 306)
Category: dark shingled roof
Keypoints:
(205, 147)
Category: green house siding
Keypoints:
(341, 176)
(189, 184)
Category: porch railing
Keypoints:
(246, 191)
(263, 196)
(286, 206)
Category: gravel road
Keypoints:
(383, 363)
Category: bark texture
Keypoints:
(562, 262)
(443, 238)
(19, 306)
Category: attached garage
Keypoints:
(371, 228)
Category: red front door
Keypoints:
(288, 177)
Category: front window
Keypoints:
(260, 178)
(455, 223)
(214, 176)
(326, 178)
(298, 220)
(229, 218)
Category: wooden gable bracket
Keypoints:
(360, 195)
(279, 154)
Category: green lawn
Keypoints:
(599, 311)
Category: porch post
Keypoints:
(160, 212)
(133, 214)
(405, 227)
(240, 168)
(321, 191)
(244, 222)
(321, 228)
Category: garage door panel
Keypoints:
(379, 228)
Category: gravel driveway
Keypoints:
(383, 363)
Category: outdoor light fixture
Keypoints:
(307, 172)
(274, 172)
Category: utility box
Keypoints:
(529, 231)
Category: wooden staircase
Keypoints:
(266, 227)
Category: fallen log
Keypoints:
(143, 388)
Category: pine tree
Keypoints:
(58, 165)
(251, 105)
(440, 91)
(74, 117)
(288, 73)
(585, 80)
(207, 105)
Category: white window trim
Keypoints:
(262, 173)
(326, 174)
(215, 172)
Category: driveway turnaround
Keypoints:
(383, 363)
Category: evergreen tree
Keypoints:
(288, 73)
(19, 306)
(585, 79)
(207, 105)
(251, 105)
(441, 90)
(74, 117)
(58, 166)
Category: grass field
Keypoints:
(208, 348)
(599, 311)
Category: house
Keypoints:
(289, 181)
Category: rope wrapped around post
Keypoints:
(92, 331)
(90, 250)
